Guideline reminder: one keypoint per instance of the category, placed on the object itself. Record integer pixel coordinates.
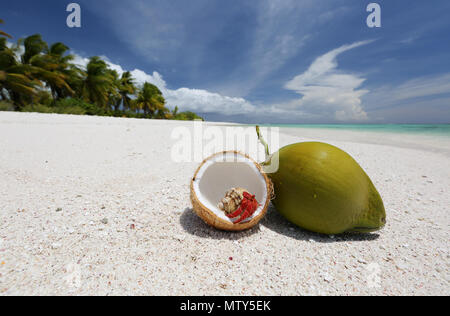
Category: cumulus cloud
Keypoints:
(327, 91)
(20, 49)
(186, 99)
(204, 101)
(80, 61)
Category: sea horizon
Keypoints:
(422, 129)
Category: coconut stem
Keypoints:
(261, 139)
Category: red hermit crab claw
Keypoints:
(246, 209)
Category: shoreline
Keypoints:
(413, 140)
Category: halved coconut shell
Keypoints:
(218, 174)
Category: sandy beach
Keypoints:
(96, 206)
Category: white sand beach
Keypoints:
(96, 206)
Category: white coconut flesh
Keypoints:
(223, 172)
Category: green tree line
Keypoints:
(36, 77)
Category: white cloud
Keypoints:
(155, 78)
(80, 61)
(328, 92)
(422, 87)
(279, 35)
(186, 99)
(197, 100)
(208, 102)
(20, 49)
(434, 89)
(419, 111)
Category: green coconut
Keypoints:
(321, 188)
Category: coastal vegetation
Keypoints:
(36, 77)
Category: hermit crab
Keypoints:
(229, 191)
(238, 204)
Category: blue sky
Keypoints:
(277, 61)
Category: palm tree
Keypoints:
(164, 113)
(33, 45)
(150, 99)
(47, 65)
(15, 78)
(73, 76)
(126, 87)
(175, 111)
(114, 96)
(22, 78)
(96, 85)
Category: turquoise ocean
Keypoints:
(423, 129)
(429, 137)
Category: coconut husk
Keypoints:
(212, 219)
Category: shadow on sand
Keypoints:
(277, 223)
(194, 225)
(273, 221)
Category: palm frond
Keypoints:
(5, 34)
